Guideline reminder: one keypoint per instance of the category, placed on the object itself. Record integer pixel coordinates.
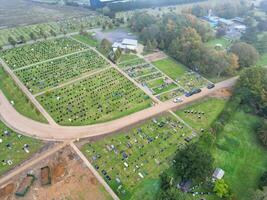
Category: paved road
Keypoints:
(26, 126)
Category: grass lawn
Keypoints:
(102, 97)
(211, 107)
(127, 56)
(86, 39)
(134, 159)
(170, 67)
(164, 88)
(238, 152)
(21, 102)
(11, 148)
(155, 83)
(223, 41)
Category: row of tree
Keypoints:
(183, 37)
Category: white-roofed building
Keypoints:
(126, 44)
(218, 174)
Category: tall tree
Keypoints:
(193, 163)
(247, 54)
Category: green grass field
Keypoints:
(21, 102)
(170, 67)
(11, 147)
(86, 39)
(211, 107)
(146, 150)
(127, 57)
(223, 41)
(239, 153)
(104, 96)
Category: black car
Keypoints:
(210, 86)
(196, 90)
(108, 177)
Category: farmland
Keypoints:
(50, 74)
(40, 51)
(130, 162)
(13, 148)
(20, 102)
(105, 96)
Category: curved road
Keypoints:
(35, 129)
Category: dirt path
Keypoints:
(29, 127)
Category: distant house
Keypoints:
(126, 44)
(218, 174)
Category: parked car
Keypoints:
(210, 86)
(196, 90)
(178, 100)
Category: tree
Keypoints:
(193, 163)
(172, 194)
(247, 54)
(221, 189)
(1, 48)
(33, 36)
(252, 89)
(262, 135)
(53, 33)
(199, 11)
(263, 180)
(12, 41)
(22, 39)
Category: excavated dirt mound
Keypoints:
(7, 190)
(223, 93)
(59, 171)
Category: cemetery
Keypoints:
(187, 79)
(171, 94)
(15, 148)
(69, 25)
(17, 98)
(131, 162)
(49, 74)
(32, 53)
(102, 97)
(201, 115)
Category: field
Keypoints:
(170, 67)
(105, 96)
(131, 162)
(40, 51)
(86, 39)
(201, 115)
(12, 147)
(183, 77)
(28, 12)
(52, 73)
(18, 98)
(238, 152)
